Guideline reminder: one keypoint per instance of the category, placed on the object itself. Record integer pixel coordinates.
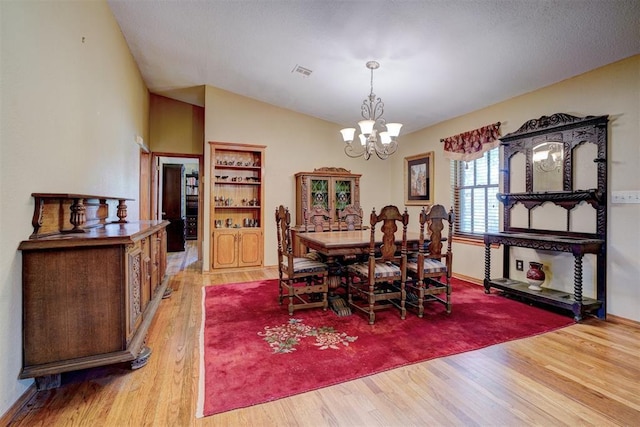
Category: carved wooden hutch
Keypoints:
(90, 288)
(328, 187)
(549, 146)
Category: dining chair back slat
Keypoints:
(379, 282)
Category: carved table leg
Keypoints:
(336, 302)
(487, 268)
(577, 287)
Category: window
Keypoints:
(475, 186)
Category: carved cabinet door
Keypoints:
(135, 273)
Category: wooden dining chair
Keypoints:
(429, 272)
(317, 219)
(350, 218)
(302, 279)
(379, 283)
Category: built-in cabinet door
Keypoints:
(250, 248)
(225, 248)
(237, 248)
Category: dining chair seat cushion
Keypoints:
(431, 266)
(305, 265)
(382, 270)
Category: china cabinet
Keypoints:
(330, 188)
(90, 287)
(237, 195)
(554, 172)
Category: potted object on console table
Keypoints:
(535, 276)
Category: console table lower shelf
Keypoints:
(547, 296)
(577, 246)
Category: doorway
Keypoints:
(173, 205)
(186, 189)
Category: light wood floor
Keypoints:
(585, 374)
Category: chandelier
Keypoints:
(383, 143)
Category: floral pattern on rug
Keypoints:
(285, 338)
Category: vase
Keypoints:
(535, 276)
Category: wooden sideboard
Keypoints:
(90, 287)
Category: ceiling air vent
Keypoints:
(305, 72)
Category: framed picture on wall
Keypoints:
(418, 179)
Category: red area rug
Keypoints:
(254, 352)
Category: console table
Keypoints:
(548, 145)
(577, 246)
(90, 287)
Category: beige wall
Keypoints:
(175, 127)
(73, 102)
(612, 90)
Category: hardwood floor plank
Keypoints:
(515, 391)
(584, 374)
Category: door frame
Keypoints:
(145, 184)
(156, 188)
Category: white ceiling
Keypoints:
(439, 58)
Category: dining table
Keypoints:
(343, 247)
(349, 243)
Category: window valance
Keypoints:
(471, 145)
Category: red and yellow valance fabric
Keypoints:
(471, 145)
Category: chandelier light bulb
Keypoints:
(348, 134)
(394, 129)
(366, 126)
